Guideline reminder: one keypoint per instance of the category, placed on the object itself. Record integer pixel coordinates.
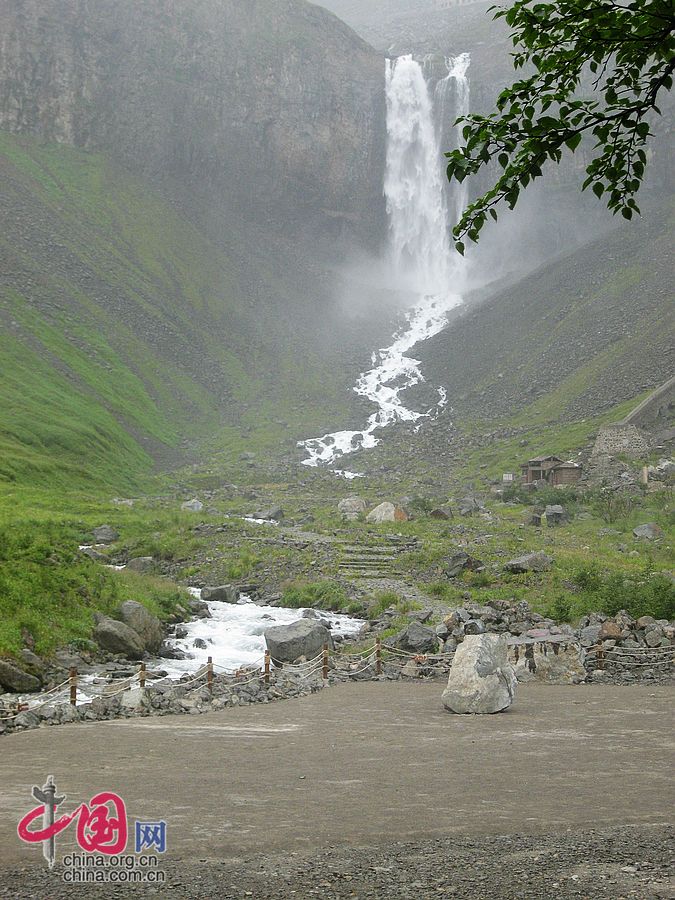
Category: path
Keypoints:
(358, 763)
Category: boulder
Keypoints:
(441, 512)
(469, 505)
(551, 663)
(556, 515)
(609, 631)
(273, 514)
(147, 627)
(193, 505)
(33, 662)
(142, 564)
(224, 593)
(590, 635)
(386, 512)
(531, 562)
(14, 679)
(117, 637)
(27, 719)
(305, 637)
(135, 698)
(654, 636)
(105, 534)
(460, 562)
(199, 609)
(351, 508)
(94, 554)
(481, 679)
(416, 638)
(648, 532)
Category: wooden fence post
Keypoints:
(141, 675)
(325, 662)
(267, 666)
(72, 679)
(378, 656)
(209, 674)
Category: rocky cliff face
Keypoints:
(268, 109)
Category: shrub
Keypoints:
(610, 506)
(315, 595)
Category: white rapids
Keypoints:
(234, 635)
(419, 249)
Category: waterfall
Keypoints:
(455, 83)
(413, 186)
(419, 251)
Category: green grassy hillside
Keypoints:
(577, 336)
(125, 334)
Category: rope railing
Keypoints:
(376, 656)
(598, 657)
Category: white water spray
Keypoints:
(419, 246)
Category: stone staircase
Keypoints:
(373, 561)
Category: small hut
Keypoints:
(551, 469)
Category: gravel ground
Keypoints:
(629, 862)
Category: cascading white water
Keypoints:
(455, 82)
(419, 246)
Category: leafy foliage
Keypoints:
(49, 592)
(648, 593)
(315, 595)
(626, 48)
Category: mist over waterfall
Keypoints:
(420, 108)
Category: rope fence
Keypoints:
(378, 659)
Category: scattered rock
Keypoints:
(386, 512)
(481, 679)
(147, 627)
(14, 679)
(135, 698)
(273, 514)
(117, 637)
(96, 555)
(224, 593)
(141, 564)
(654, 636)
(468, 506)
(441, 512)
(351, 508)
(460, 562)
(302, 638)
(193, 505)
(105, 534)
(199, 609)
(531, 562)
(416, 638)
(552, 663)
(27, 719)
(590, 635)
(33, 662)
(609, 631)
(556, 515)
(649, 532)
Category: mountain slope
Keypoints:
(124, 332)
(269, 110)
(572, 339)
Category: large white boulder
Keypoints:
(386, 512)
(481, 679)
